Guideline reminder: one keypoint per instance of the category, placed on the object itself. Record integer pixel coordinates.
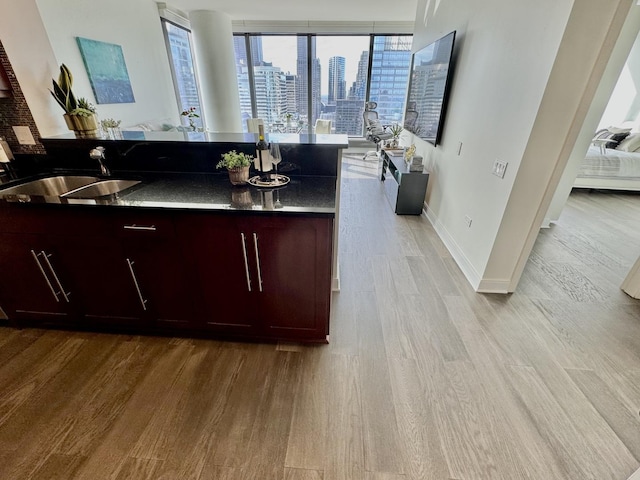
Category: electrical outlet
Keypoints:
(499, 167)
(24, 136)
(467, 220)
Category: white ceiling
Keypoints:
(306, 10)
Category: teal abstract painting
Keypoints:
(107, 71)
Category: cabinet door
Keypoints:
(27, 286)
(157, 269)
(98, 278)
(293, 260)
(223, 283)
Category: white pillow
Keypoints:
(630, 144)
(618, 130)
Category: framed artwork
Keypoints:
(107, 71)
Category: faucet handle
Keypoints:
(97, 153)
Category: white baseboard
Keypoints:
(479, 284)
(456, 252)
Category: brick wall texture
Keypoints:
(15, 111)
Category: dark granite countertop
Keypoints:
(337, 140)
(304, 194)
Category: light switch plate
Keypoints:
(499, 167)
(24, 136)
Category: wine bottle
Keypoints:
(263, 161)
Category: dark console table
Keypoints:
(404, 189)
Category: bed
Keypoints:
(610, 168)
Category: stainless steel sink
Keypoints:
(51, 186)
(101, 188)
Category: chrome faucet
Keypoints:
(98, 154)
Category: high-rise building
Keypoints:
(255, 44)
(291, 82)
(348, 117)
(302, 90)
(337, 84)
(270, 92)
(389, 76)
(358, 90)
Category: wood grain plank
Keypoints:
(115, 446)
(624, 422)
(383, 452)
(531, 454)
(573, 453)
(102, 400)
(233, 433)
(58, 466)
(418, 428)
(344, 445)
(201, 410)
(308, 432)
(270, 433)
(138, 469)
(302, 474)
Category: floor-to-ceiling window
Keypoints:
(291, 80)
(178, 41)
(344, 81)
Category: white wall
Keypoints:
(524, 78)
(33, 60)
(135, 26)
(624, 104)
(502, 65)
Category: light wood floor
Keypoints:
(423, 378)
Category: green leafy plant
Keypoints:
(62, 90)
(110, 123)
(234, 159)
(395, 130)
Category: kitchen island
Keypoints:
(181, 252)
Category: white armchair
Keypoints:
(252, 124)
(322, 126)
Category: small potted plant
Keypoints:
(395, 130)
(79, 115)
(190, 114)
(237, 164)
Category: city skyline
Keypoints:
(280, 90)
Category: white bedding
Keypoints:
(615, 163)
(614, 170)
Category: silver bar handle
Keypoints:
(53, 291)
(255, 244)
(151, 228)
(135, 282)
(65, 295)
(246, 261)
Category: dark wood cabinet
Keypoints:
(248, 276)
(156, 268)
(94, 272)
(27, 285)
(293, 258)
(218, 253)
(264, 277)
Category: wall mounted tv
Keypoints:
(428, 89)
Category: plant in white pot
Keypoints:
(395, 130)
(79, 115)
(237, 164)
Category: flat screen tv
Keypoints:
(428, 89)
